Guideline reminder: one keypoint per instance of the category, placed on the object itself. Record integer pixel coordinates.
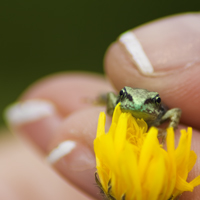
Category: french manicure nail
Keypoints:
(132, 45)
(62, 150)
(28, 111)
(73, 156)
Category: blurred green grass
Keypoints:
(42, 37)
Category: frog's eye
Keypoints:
(158, 100)
(121, 93)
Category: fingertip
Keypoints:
(71, 149)
(35, 119)
(173, 48)
(69, 91)
(41, 109)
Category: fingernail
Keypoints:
(34, 119)
(133, 47)
(164, 46)
(62, 150)
(28, 111)
(73, 156)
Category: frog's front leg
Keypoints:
(111, 102)
(174, 116)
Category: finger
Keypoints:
(57, 102)
(72, 152)
(162, 56)
(43, 106)
(70, 91)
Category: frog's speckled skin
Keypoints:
(144, 104)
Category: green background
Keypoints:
(42, 37)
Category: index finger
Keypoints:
(162, 56)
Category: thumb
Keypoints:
(161, 56)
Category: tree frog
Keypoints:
(144, 104)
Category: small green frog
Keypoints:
(144, 104)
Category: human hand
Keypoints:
(173, 47)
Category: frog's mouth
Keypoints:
(148, 118)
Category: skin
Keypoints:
(144, 104)
(178, 88)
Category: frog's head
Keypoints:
(140, 102)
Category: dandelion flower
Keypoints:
(133, 165)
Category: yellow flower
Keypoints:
(132, 165)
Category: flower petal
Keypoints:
(120, 133)
(182, 185)
(101, 124)
(192, 160)
(195, 181)
(148, 148)
(132, 164)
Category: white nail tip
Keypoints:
(62, 150)
(133, 46)
(28, 111)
